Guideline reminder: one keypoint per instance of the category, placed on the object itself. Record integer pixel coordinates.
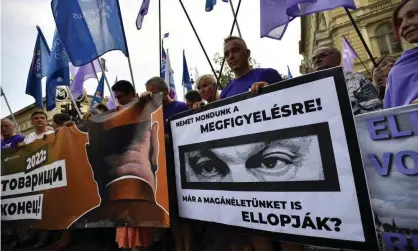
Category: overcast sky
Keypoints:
(18, 35)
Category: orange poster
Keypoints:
(113, 174)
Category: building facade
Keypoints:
(374, 19)
(23, 116)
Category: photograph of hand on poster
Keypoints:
(284, 164)
(114, 174)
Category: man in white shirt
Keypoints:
(39, 122)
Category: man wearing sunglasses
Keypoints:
(363, 95)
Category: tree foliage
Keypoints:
(227, 73)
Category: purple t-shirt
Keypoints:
(12, 141)
(243, 84)
(402, 87)
(172, 109)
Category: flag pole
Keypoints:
(105, 77)
(233, 14)
(74, 103)
(159, 35)
(361, 38)
(198, 38)
(223, 60)
(10, 110)
(126, 45)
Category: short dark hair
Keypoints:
(230, 38)
(102, 107)
(193, 96)
(38, 112)
(159, 82)
(124, 86)
(61, 118)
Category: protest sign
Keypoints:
(389, 146)
(114, 173)
(284, 164)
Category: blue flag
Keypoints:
(186, 76)
(98, 95)
(163, 63)
(58, 71)
(38, 68)
(89, 28)
(210, 3)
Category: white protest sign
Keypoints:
(389, 145)
(284, 164)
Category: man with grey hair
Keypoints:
(363, 95)
(170, 106)
(9, 137)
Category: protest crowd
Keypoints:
(394, 83)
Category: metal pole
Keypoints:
(361, 37)
(105, 77)
(233, 14)
(10, 110)
(74, 103)
(159, 35)
(198, 38)
(223, 60)
(126, 45)
(361, 61)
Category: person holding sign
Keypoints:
(403, 78)
(362, 93)
(206, 85)
(237, 56)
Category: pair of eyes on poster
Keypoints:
(294, 159)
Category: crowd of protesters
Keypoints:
(393, 83)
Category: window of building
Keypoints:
(386, 40)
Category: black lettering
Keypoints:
(21, 207)
(41, 178)
(273, 219)
(28, 207)
(243, 213)
(297, 108)
(34, 181)
(4, 185)
(239, 121)
(218, 125)
(260, 217)
(204, 128)
(206, 200)
(248, 118)
(257, 117)
(11, 209)
(21, 184)
(310, 106)
(3, 209)
(57, 174)
(13, 184)
(285, 111)
(265, 118)
(252, 218)
(28, 182)
(211, 126)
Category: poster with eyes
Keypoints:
(284, 164)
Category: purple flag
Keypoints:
(349, 55)
(142, 12)
(275, 15)
(83, 73)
